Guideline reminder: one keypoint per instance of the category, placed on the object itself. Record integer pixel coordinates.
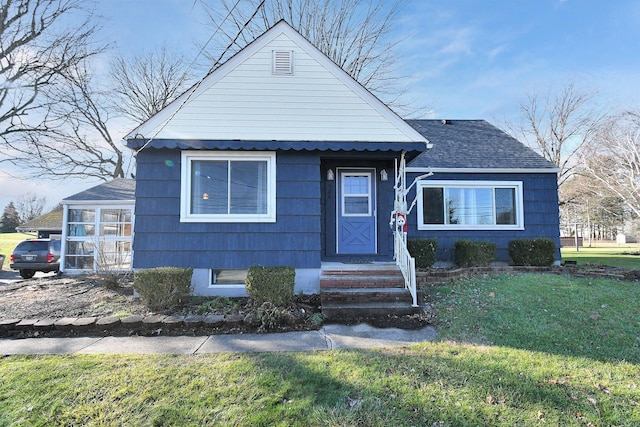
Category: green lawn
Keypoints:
(526, 350)
(8, 241)
(623, 255)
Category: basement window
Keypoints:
(282, 62)
(228, 277)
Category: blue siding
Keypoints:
(541, 215)
(162, 240)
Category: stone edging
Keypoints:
(435, 277)
(153, 324)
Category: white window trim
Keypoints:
(185, 186)
(368, 194)
(519, 225)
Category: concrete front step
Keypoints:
(352, 311)
(361, 282)
(363, 272)
(351, 295)
(362, 279)
(364, 292)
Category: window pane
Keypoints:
(115, 215)
(356, 184)
(482, 206)
(432, 206)
(506, 206)
(115, 230)
(470, 206)
(248, 187)
(209, 187)
(80, 248)
(82, 215)
(114, 255)
(81, 229)
(79, 262)
(228, 277)
(356, 205)
(455, 206)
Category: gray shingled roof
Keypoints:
(119, 189)
(51, 221)
(473, 144)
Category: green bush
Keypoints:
(271, 284)
(536, 252)
(424, 251)
(164, 287)
(474, 253)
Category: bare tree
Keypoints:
(35, 47)
(29, 206)
(145, 84)
(613, 160)
(586, 203)
(74, 140)
(558, 126)
(355, 34)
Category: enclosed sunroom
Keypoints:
(97, 234)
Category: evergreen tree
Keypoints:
(10, 219)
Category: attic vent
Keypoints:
(282, 62)
(446, 122)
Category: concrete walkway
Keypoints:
(328, 338)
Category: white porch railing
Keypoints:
(399, 217)
(406, 262)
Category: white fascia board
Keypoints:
(89, 203)
(481, 170)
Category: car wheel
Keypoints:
(27, 274)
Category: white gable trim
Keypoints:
(156, 123)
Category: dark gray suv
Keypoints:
(36, 255)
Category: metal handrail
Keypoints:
(406, 263)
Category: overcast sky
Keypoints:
(466, 59)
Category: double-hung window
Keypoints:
(228, 187)
(470, 205)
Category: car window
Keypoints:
(30, 245)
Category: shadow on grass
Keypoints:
(430, 384)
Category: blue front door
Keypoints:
(356, 224)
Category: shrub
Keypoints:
(424, 251)
(272, 316)
(474, 253)
(164, 287)
(536, 252)
(271, 284)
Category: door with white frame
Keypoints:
(356, 212)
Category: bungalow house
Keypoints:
(279, 157)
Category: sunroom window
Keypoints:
(470, 205)
(228, 187)
(98, 238)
